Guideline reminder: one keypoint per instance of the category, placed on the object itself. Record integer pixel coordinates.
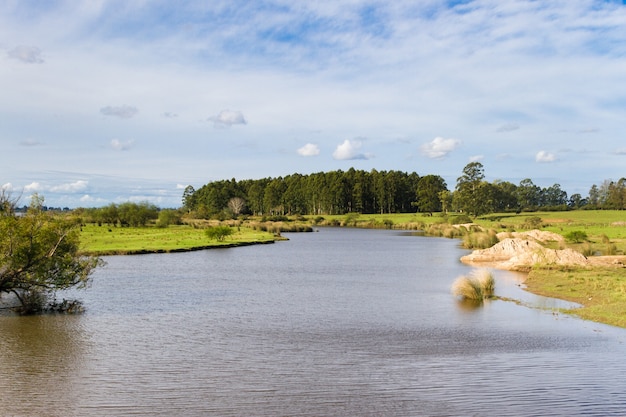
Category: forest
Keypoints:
(341, 192)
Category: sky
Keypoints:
(112, 101)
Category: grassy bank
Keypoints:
(600, 290)
(104, 240)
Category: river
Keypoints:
(339, 322)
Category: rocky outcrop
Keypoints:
(519, 254)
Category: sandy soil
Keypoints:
(520, 251)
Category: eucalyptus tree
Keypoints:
(472, 192)
(427, 198)
(528, 195)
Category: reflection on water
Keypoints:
(41, 363)
(335, 323)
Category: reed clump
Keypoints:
(479, 285)
(480, 239)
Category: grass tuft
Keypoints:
(479, 285)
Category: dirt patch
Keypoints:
(518, 254)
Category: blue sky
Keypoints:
(111, 101)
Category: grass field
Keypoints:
(104, 240)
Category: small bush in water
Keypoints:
(479, 285)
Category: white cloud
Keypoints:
(7, 187)
(123, 112)
(33, 187)
(621, 151)
(543, 156)
(309, 149)
(118, 145)
(227, 118)
(26, 54)
(73, 187)
(349, 149)
(439, 147)
(476, 158)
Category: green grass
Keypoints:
(104, 240)
(600, 291)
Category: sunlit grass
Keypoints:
(104, 240)
(601, 291)
(479, 285)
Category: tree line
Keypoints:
(341, 192)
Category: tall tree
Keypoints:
(471, 195)
(428, 192)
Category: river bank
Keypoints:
(597, 283)
(555, 268)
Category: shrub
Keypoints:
(479, 285)
(533, 222)
(462, 219)
(576, 236)
(219, 233)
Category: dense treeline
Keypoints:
(340, 192)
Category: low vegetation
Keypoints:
(600, 290)
(103, 240)
(479, 285)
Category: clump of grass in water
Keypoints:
(479, 285)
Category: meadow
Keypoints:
(105, 240)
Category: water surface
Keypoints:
(342, 322)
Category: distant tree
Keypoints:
(576, 201)
(553, 196)
(168, 217)
(445, 197)
(594, 195)
(236, 205)
(528, 195)
(428, 192)
(188, 198)
(472, 193)
(39, 254)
